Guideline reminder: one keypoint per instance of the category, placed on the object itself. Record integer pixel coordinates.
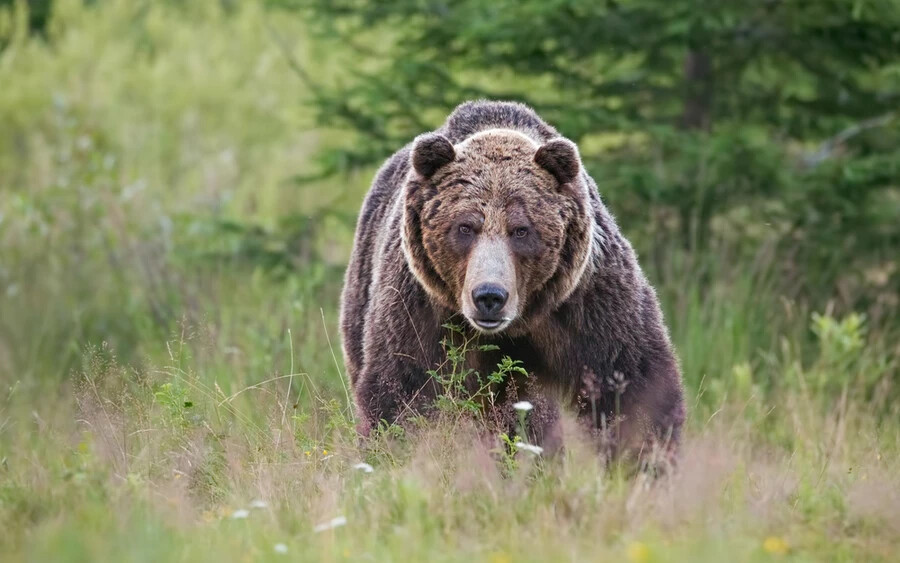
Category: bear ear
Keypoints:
(560, 158)
(430, 152)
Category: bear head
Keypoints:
(498, 226)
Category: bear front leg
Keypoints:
(401, 343)
(394, 383)
(392, 390)
(638, 415)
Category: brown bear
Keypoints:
(493, 219)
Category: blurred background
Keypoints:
(193, 171)
(179, 185)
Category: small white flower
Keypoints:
(333, 523)
(259, 503)
(240, 513)
(536, 450)
(364, 467)
(523, 406)
(280, 548)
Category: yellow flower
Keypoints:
(324, 452)
(776, 545)
(308, 453)
(638, 552)
(499, 557)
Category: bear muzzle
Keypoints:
(489, 297)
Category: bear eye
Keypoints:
(465, 229)
(521, 232)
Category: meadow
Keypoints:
(171, 370)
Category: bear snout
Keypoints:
(490, 299)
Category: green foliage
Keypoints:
(749, 122)
(291, 246)
(841, 367)
(174, 400)
(506, 452)
(153, 178)
(840, 341)
(37, 14)
(464, 388)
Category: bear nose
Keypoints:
(489, 298)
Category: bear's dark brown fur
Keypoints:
(493, 220)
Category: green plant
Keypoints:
(173, 398)
(507, 451)
(463, 388)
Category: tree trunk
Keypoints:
(698, 81)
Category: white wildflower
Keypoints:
(280, 548)
(333, 523)
(523, 406)
(364, 467)
(536, 450)
(258, 503)
(240, 513)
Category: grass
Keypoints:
(169, 352)
(159, 464)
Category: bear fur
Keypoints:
(496, 195)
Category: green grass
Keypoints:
(169, 351)
(155, 464)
